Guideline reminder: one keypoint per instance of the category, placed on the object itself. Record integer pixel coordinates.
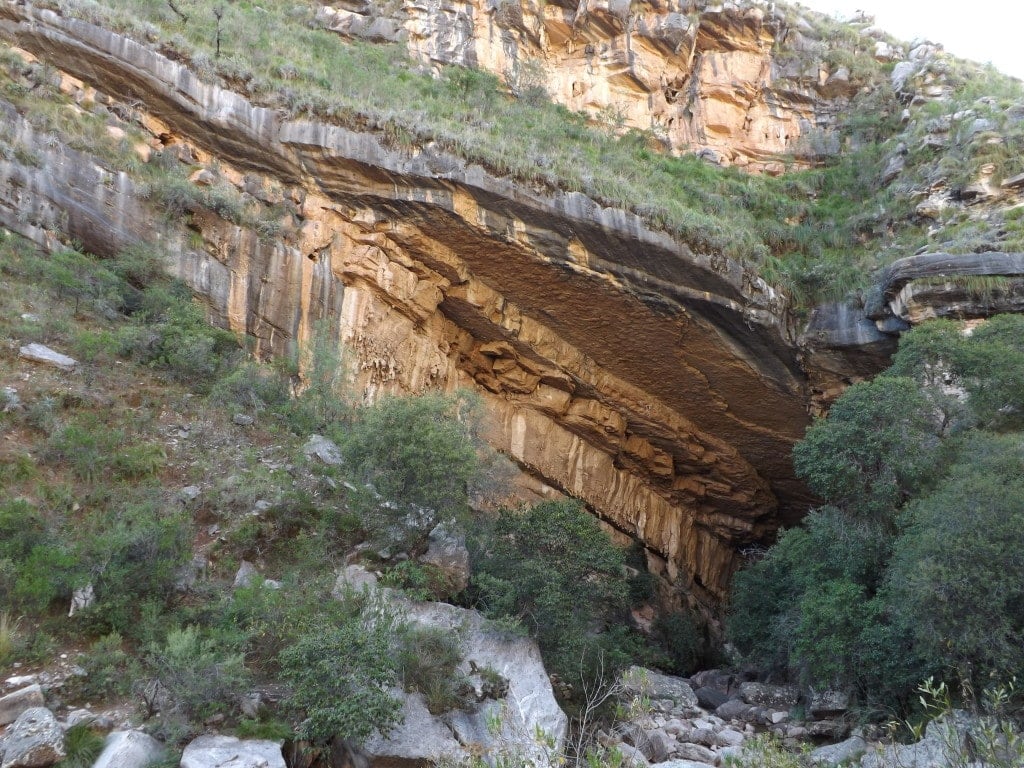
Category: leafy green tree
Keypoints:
(879, 446)
(932, 356)
(340, 670)
(958, 571)
(770, 598)
(917, 570)
(75, 275)
(553, 569)
(991, 363)
(414, 451)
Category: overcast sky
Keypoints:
(981, 30)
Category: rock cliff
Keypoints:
(657, 384)
(701, 75)
(661, 383)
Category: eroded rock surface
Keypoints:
(657, 384)
(701, 75)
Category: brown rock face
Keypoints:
(658, 385)
(701, 75)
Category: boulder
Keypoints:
(326, 450)
(229, 752)
(729, 737)
(833, 730)
(189, 493)
(419, 738)
(711, 698)
(697, 752)
(713, 678)
(354, 577)
(35, 740)
(770, 696)
(947, 743)
(637, 681)
(446, 551)
(655, 745)
(78, 717)
(246, 575)
(40, 353)
(843, 753)
(631, 756)
(509, 726)
(13, 704)
(129, 749)
(684, 764)
(82, 598)
(828, 703)
(661, 745)
(734, 709)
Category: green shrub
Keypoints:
(271, 729)
(339, 672)
(765, 751)
(427, 661)
(35, 565)
(916, 571)
(82, 746)
(130, 554)
(9, 637)
(553, 569)
(682, 640)
(878, 446)
(418, 454)
(253, 386)
(176, 338)
(110, 672)
(957, 573)
(325, 403)
(201, 678)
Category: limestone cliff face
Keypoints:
(658, 385)
(702, 75)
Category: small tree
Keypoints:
(419, 455)
(340, 671)
(879, 446)
(553, 569)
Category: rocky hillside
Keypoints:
(630, 314)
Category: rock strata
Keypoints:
(701, 75)
(615, 364)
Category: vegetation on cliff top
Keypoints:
(819, 233)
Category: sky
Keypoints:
(980, 30)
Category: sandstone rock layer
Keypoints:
(657, 384)
(701, 75)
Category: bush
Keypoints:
(325, 403)
(176, 338)
(878, 446)
(957, 573)
(553, 569)
(427, 662)
(916, 570)
(253, 386)
(340, 671)
(82, 746)
(35, 565)
(130, 555)
(109, 671)
(201, 678)
(418, 454)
